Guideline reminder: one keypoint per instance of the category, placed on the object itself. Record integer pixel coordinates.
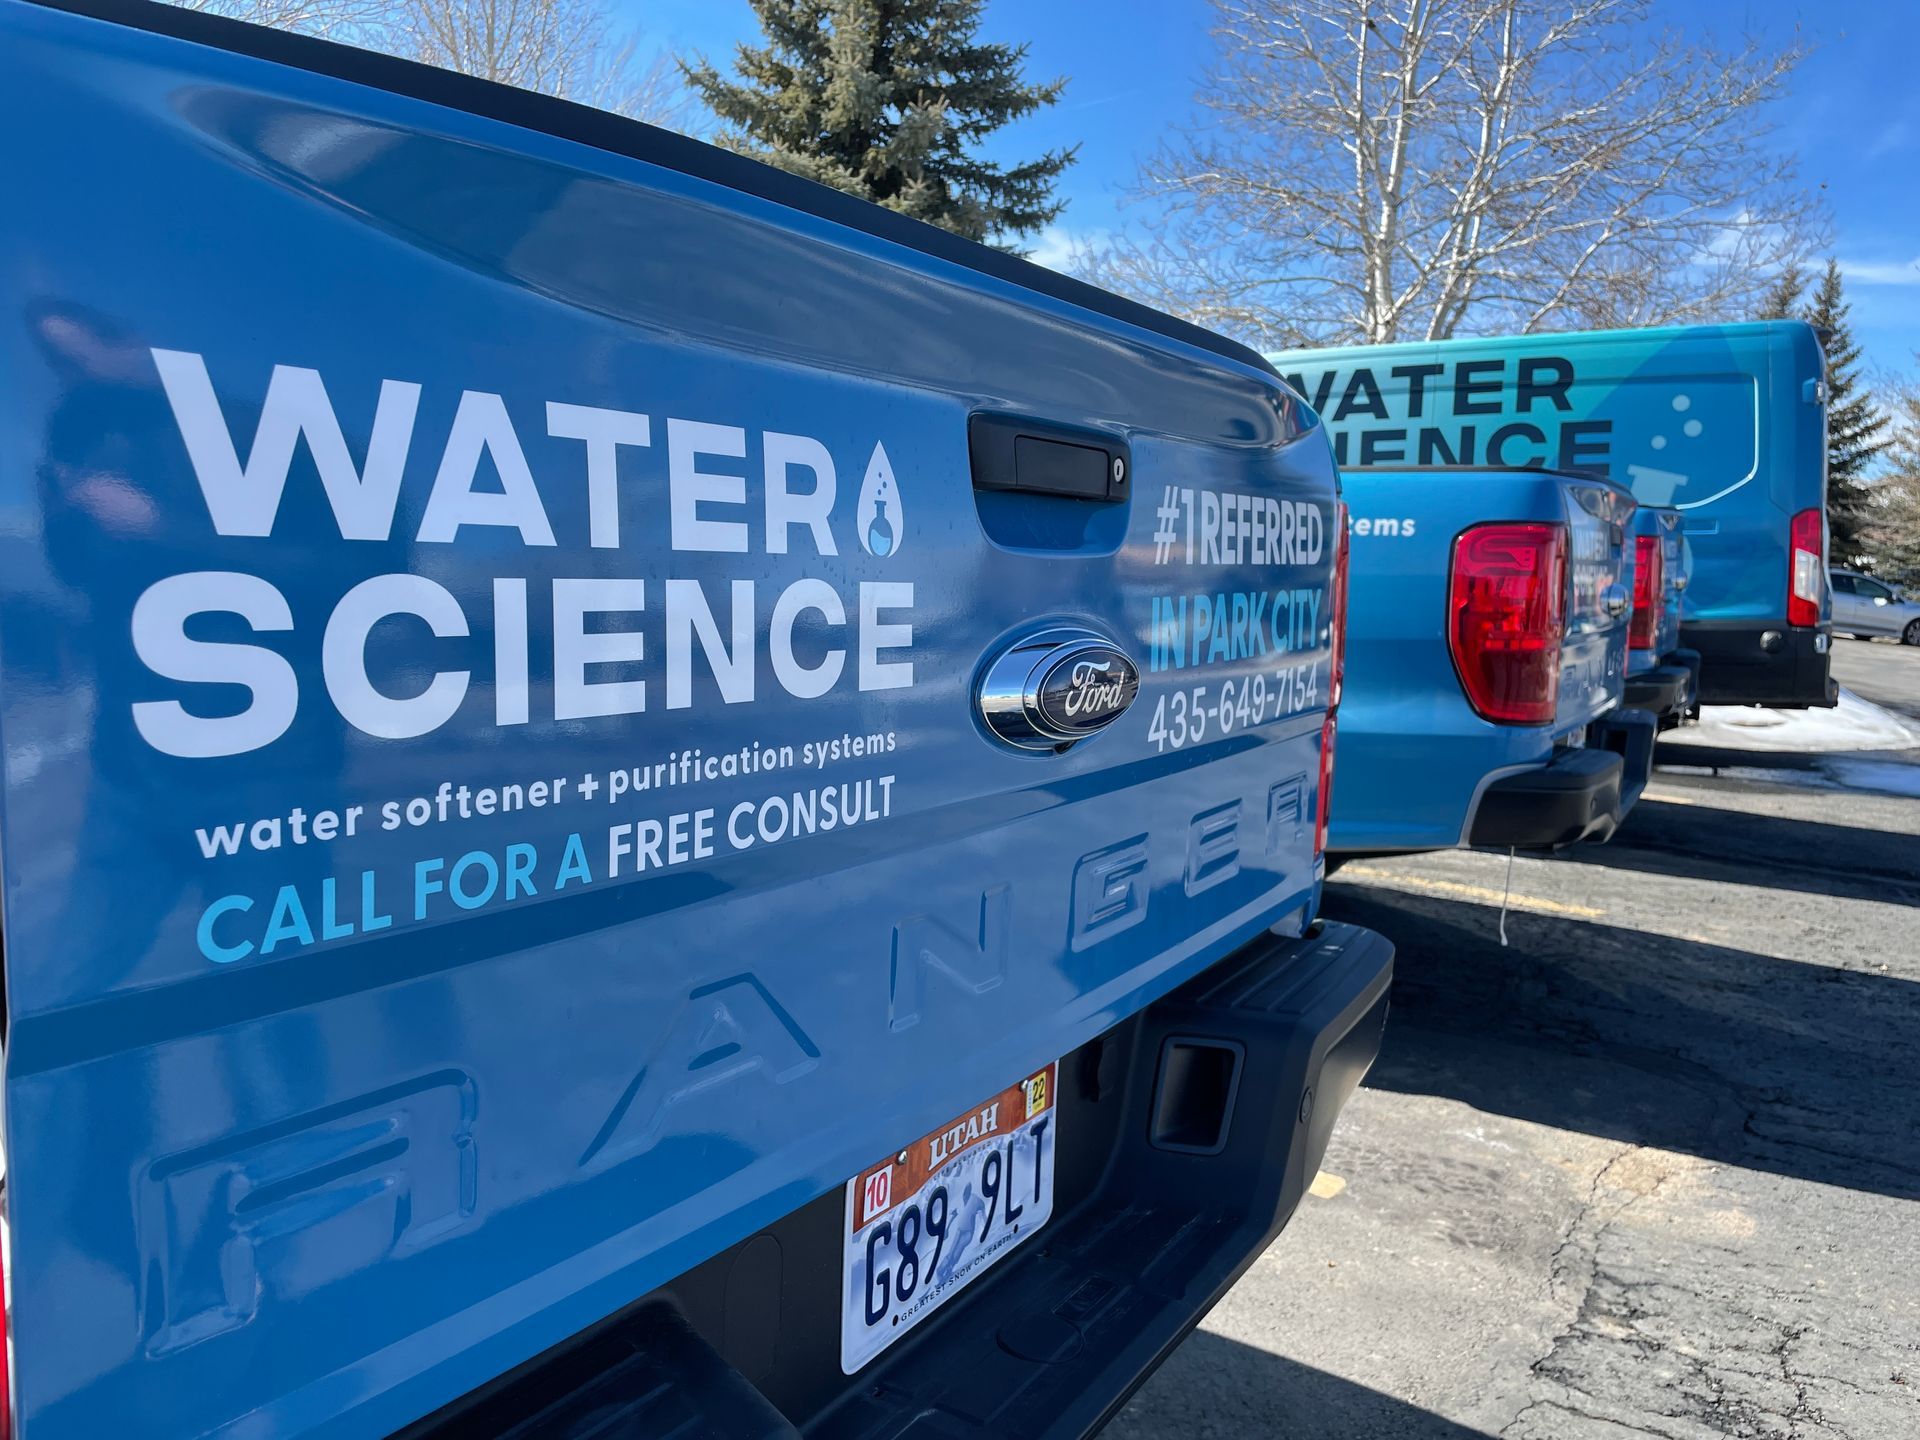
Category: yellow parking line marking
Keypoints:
(1326, 1186)
(1472, 892)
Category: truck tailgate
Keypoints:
(1593, 663)
(495, 804)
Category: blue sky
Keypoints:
(1852, 115)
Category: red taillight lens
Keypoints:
(1336, 676)
(1649, 583)
(1323, 805)
(1337, 609)
(1508, 611)
(1807, 569)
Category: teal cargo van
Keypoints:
(1725, 423)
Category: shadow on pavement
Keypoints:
(1212, 1388)
(1801, 1070)
(1705, 843)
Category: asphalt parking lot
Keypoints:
(1652, 1169)
(1886, 673)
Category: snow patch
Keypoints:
(1853, 724)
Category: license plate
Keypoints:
(923, 1224)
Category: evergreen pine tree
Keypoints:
(889, 100)
(1854, 422)
(1783, 297)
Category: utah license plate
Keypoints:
(923, 1224)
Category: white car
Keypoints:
(1865, 606)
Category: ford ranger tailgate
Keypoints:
(563, 696)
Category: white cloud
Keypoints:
(1897, 136)
(1057, 246)
(1882, 272)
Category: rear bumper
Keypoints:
(1630, 734)
(1659, 691)
(1690, 659)
(1746, 663)
(1051, 1342)
(1576, 795)
(1579, 794)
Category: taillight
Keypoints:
(1336, 675)
(1649, 578)
(1323, 808)
(1507, 604)
(1337, 609)
(1807, 571)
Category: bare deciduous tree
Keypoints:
(568, 48)
(334, 19)
(1892, 530)
(1378, 170)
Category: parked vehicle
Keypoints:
(1865, 607)
(1487, 653)
(1725, 423)
(622, 773)
(1663, 677)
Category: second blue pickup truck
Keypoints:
(1488, 630)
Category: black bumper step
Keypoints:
(1575, 796)
(1659, 691)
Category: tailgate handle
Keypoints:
(1038, 457)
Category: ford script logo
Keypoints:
(1086, 691)
(1055, 688)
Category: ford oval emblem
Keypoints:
(1057, 687)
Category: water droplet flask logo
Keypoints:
(879, 513)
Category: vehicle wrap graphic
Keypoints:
(1725, 423)
(487, 511)
(1681, 440)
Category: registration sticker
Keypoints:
(924, 1222)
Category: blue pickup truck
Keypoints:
(638, 798)
(1724, 423)
(1488, 634)
(1663, 676)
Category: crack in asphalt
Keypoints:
(1610, 1309)
(1583, 1238)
